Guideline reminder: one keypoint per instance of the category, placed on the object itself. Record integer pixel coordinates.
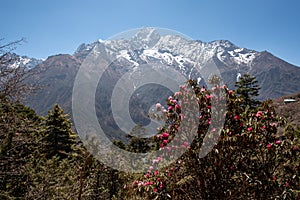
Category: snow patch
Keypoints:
(242, 58)
(126, 55)
(238, 77)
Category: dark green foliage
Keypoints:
(59, 138)
(137, 143)
(248, 90)
(18, 125)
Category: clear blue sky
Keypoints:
(60, 26)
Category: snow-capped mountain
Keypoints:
(57, 73)
(176, 46)
(275, 76)
(148, 46)
(23, 61)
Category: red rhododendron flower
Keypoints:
(258, 114)
(236, 117)
(278, 142)
(208, 97)
(165, 135)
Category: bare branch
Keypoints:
(8, 47)
(13, 84)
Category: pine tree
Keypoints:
(18, 127)
(248, 90)
(59, 138)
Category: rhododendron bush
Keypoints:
(250, 158)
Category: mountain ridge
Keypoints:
(276, 76)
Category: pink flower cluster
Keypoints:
(142, 183)
(237, 117)
(174, 104)
(164, 137)
(184, 145)
(156, 161)
(154, 178)
(158, 106)
(269, 146)
(258, 114)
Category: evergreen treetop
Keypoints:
(59, 138)
(247, 89)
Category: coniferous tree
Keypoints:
(18, 130)
(59, 138)
(248, 90)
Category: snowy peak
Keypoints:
(148, 43)
(146, 38)
(23, 61)
(222, 43)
